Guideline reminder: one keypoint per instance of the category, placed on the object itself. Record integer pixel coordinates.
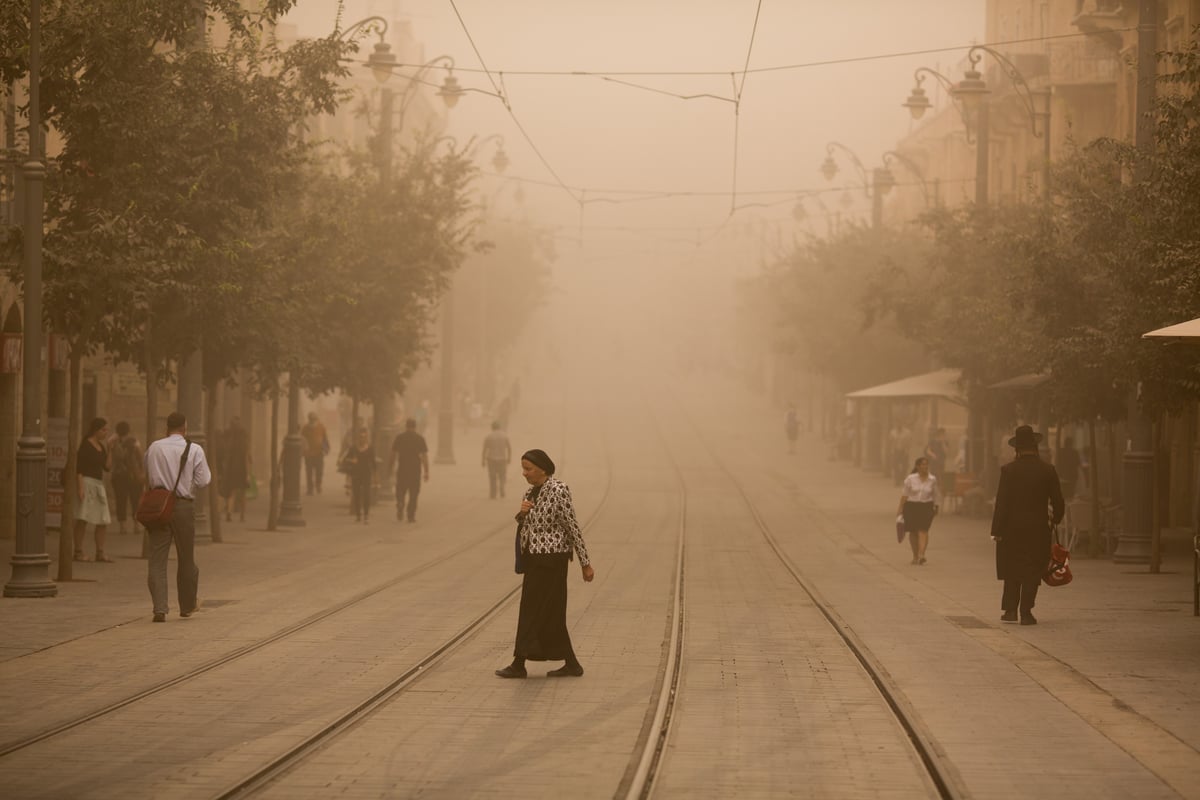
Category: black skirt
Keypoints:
(917, 516)
(542, 621)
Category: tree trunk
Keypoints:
(150, 365)
(214, 462)
(66, 529)
(276, 479)
(1093, 476)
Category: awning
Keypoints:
(1183, 332)
(1030, 380)
(939, 383)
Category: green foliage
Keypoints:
(384, 251)
(826, 309)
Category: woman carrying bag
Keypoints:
(920, 501)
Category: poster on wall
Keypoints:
(10, 353)
(56, 465)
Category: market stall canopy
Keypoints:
(939, 383)
(1030, 380)
(1183, 332)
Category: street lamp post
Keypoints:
(879, 183)
(30, 561)
(291, 512)
(911, 166)
(1135, 544)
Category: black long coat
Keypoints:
(1029, 487)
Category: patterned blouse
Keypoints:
(550, 526)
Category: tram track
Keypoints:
(241, 652)
(286, 762)
(944, 777)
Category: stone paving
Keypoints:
(1100, 700)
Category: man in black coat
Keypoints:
(1021, 523)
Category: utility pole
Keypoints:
(1137, 463)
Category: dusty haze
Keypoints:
(669, 261)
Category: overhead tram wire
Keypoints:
(508, 106)
(737, 110)
(576, 73)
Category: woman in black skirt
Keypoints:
(919, 503)
(546, 540)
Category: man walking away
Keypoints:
(1021, 524)
(410, 457)
(1068, 464)
(127, 475)
(497, 452)
(791, 426)
(168, 458)
(316, 445)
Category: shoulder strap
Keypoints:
(182, 461)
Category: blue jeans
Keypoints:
(181, 530)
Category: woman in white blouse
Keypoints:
(919, 503)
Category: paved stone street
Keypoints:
(1102, 699)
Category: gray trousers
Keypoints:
(182, 531)
(496, 470)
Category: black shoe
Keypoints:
(1028, 619)
(160, 617)
(1008, 616)
(512, 672)
(566, 671)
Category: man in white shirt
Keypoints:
(164, 463)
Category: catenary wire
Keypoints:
(508, 106)
(784, 67)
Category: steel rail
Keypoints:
(294, 756)
(19, 744)
(941, 772)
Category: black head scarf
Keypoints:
(540, 460)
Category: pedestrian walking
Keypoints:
(1067, 465)
(128, 476)
(175, 461)
(316, 447)
(410, 458)
(234, 474)
(936, 452)
(791, 426)
(92, 460)
(1029, 501)
(548, 537)
(497, 452)
(920, 501)
(359, 465)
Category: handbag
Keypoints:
(251, 487)
(1058, 571)
(156, 505)
(899, 528)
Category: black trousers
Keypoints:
(128, 492)
(408, 486)
(1019, 595)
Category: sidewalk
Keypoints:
(1126, 636)
(253, 564)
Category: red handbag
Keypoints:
(1058, 572)
(156, 505)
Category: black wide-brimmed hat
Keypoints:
(1024, 437)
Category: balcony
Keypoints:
(1085, 63)
(1102, 19)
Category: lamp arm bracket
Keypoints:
(1020, 85)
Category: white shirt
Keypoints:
(162, 465)
(922, 491)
